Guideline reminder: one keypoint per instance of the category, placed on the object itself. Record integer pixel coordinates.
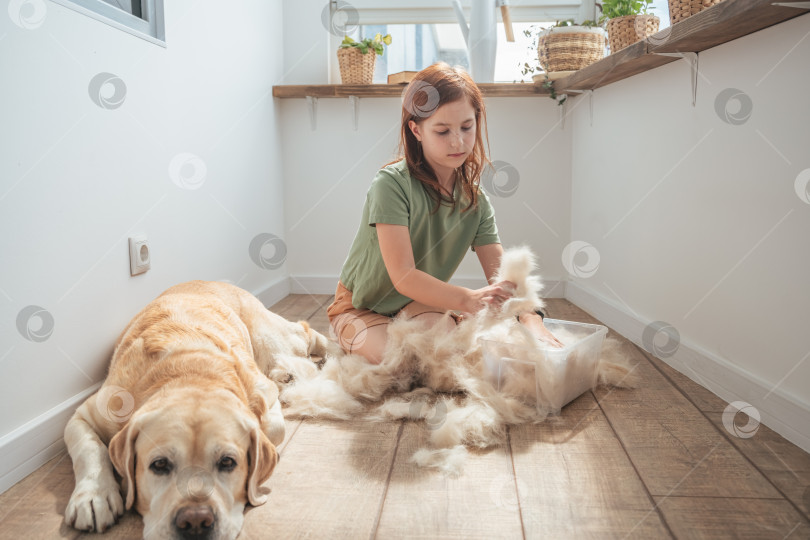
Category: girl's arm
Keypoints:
(490, 258)
(397, 253)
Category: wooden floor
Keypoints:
(652, 462)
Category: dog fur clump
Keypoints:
(440, 377)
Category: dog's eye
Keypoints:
(226, 464)
(161, 466)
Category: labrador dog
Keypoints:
(187, 416)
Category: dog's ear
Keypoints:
(122, 455)
(262, 459)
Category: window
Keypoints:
(425, 32)
(141, 18)
(416, 46)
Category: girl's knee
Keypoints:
(432, 319)
(367, 342)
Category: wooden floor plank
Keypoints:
(328, 484)
(784, 463)
(320, 322)
(39, 509)
(713, 518)
(575, 480)
(299, 306)
(559, 308)
(421, 503)
(675, 448)
(703, 399)
(11, 498)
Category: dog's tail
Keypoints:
(317, 341)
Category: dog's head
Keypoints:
(190, 460)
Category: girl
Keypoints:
(421, 214)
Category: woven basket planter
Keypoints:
(624, 31)
(683, 9)
(569, 48)
(356, 67)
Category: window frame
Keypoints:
(150, 28)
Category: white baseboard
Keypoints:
(327, 284)
(782, 412)
(31, 445)
(275, 292)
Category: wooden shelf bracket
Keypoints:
(312, 104)
(692, 57)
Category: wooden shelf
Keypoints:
(395, 90)
(721, 23)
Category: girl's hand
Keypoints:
(534, 323)
(491, 295)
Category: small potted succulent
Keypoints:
(627, 22)
(357, 58)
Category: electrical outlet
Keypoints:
(140, 259)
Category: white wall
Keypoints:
(306, 43)
(77, 179)
(697, 222)
(329, 170)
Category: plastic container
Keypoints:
(549, 377)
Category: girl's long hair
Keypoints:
(430, 89)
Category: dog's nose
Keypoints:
(195, 522)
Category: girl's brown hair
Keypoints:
(430, 89)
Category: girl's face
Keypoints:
(447, 136)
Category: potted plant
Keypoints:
(564, 48)
(569, 46)
(683, 9)
(627, 22)
(357, 58)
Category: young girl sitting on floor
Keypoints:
(421, 214)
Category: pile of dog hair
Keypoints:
(437, 376)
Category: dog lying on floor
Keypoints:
(188, 413)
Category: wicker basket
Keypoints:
(624, 31)
(569, 48)
(682, 9)
(356, 67)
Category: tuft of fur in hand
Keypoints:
(517, 265)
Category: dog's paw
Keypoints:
(93, 507)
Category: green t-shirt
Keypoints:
(439, 240)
